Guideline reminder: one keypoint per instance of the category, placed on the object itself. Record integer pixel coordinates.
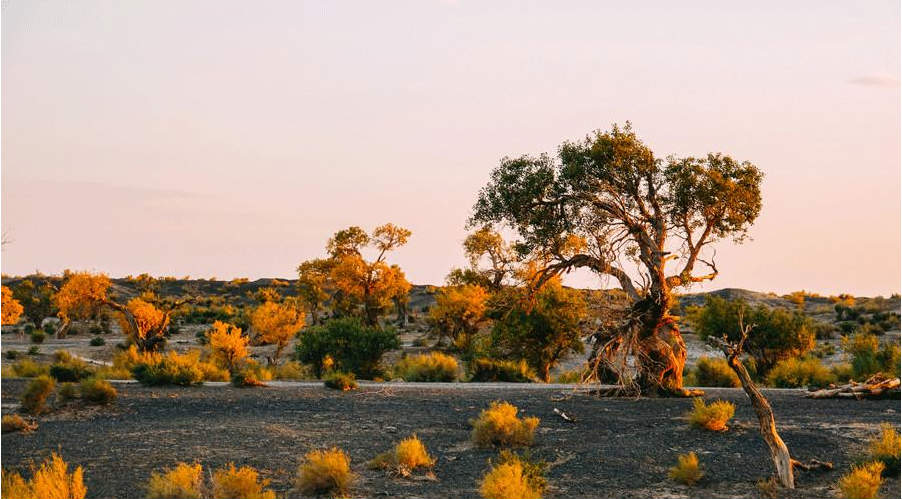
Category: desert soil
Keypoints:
(617, 447)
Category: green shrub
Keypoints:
(354, 347)
(69, 368)
(34, 350)
(338, 380)
(488, 370)
(66, 393)
(712, 371)
(798, 373)
(885, 447)
(97, 391)
(778, 334)
(570, 377)
(36, 392)
(13, 354)
(869, 356)
(434, 366)
(97, 341)
(175, 369)
(38, 336)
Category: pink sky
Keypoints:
(230, 139)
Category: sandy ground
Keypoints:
(616, 448)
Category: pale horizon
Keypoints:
(231, 140)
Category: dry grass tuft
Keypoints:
(863, 482)
(185, 481)
(713, 416)
(499, 425)
(325, 472)
(51, 480)
(97, 391)
(239, 483)
(513, 478)
(14, 422)
(687, 471)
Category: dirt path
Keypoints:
(616, 448)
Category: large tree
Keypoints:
(607, 204)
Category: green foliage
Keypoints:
(777, 333)
(67, 392)
(799, 373)
(355, 347)
(173, 369)
(713, 371)
(338, 380)
(869, 356)
(36, 300)
(38, 336)
(540, 328)
(36, 392)
(69, 368)
(493, 370)
(25, 368)
(434, 366)
(97, 341)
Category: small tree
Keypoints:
(227, 344)
(458, 313)
(36, 299)
(276, 323)
(151, 323)
(354, 346)
(313, 286)
(12, 309)
(540, 327)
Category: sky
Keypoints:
(232, 138)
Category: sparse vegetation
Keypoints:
(434, 366)
(870, 356)
(713, 416)
(500, 425)
(13, 423)
(886, 448)
(407, 456)
(68, 368)
(325, 472)
(239, 483)
(172, 368)
(687, 470)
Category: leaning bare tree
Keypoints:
(779, 453)
(608, 204)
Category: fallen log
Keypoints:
(876, 387)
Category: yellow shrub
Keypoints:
(687, 471)
(796, 373)
(51, 480)
(511, 478)
(182, 482)
(434, 366)
(713, 416)
(499, 425)
(240, 483)
(712, 371)
(290, 370)
(408, 455)
(863, 482)
(340, 381)
(227, 345)
(325, 471)
(14, 422)
(36, 393)
(886, 447)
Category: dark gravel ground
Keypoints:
(616, 448)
